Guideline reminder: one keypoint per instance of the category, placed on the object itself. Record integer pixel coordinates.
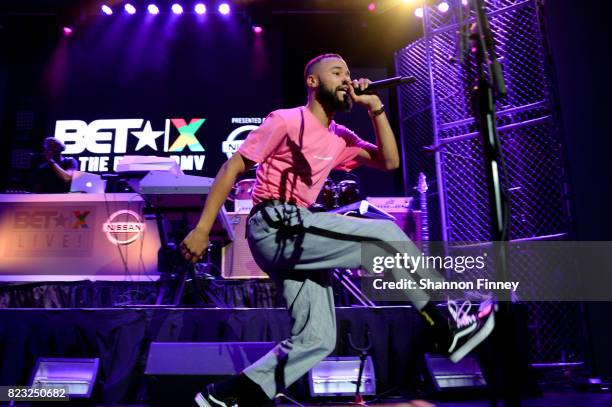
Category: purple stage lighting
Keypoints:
(443, 7)
(224, 9)
(153, 9)
(200, 8)
(129, 8)
(107, 10)
(372, 7)
(257, 29)
(177, 8)
(67, 31)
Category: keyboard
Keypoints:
(164, 183)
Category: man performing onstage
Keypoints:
(296, 149)
(54, 175)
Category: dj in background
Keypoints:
(54, 175)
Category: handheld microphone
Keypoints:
(386, 83)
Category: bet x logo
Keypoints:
(187, 135)
(80, 223)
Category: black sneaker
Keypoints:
(206, 398)
(469, 330)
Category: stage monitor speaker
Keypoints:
(447, 375)
(176, 371)
(237, 261)
(203, 358)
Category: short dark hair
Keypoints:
(313, 62)
(49, 141)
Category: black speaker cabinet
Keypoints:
(176, 371)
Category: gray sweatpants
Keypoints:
(298, 248)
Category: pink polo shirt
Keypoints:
(294, 173)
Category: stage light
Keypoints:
(76, 376)
(200, 8)
(418, 12)
(464, 2)
(257, 29)
(107, 10)
(224, 9)
(371, 7)
(446, 375)
(129, 8)
(177, 8)
(337, 376)
(153, 9)
(67, 31)
(443, 7)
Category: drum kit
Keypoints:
(336, 195)
(243, 189)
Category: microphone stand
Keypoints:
(363, 356)
(491, 86)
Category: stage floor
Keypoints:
(553, 399)
(573, 399)
(120, 338)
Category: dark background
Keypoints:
(579, 34)
(210, 70)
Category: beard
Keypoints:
(329, 99)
